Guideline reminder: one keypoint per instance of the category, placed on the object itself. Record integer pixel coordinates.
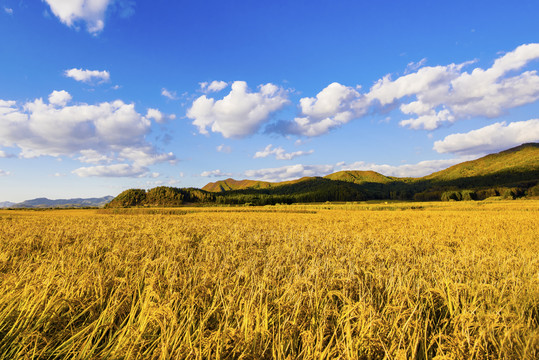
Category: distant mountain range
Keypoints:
(504, 168)
(59, 203)
(511, 173)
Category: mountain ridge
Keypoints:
(43, 202)
(510, 173)
(462, 170)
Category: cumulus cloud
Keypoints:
(240, 113)
(445, 93)
(4, 173)
(88, 76)
(91, 12)
(215, 173)
(214, 86)
(290, 172)
(169, 94)
(432, 96)
(8, 10)
(280, 153)
(102, 133)
(491, 138)
(332, 107)
(115, 170)
(430, 121)
(156, 115)
(59, 98)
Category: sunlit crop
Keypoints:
(350, 281)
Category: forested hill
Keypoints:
(510, 173)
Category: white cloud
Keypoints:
(169, 94)
(116, 170)
(59, 98)
(8, 10)
(92, 12)
(4, 173)
(492, 138)
(430, 121)
(333, 106)
(290, 172)
(426, 82)
(224, 148)
(94, 157)
(214, 86)
(5, 105)
(145, 156)
(101, 133)
(280, 153)
(444, 94)
(156, 115)
(240, 113)
(88, 76)
(215, 173)
(432, 96)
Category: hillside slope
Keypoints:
(520, 159)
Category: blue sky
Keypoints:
(98, 96)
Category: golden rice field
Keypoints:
(349, 281)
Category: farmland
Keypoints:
(352, 281)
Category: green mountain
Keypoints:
(161, 196)
(517, 164)
(511, 173)
(355, 176)
(231, 184)
(360, 177)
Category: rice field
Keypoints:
(327, 281)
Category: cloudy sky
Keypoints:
(97, 96)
